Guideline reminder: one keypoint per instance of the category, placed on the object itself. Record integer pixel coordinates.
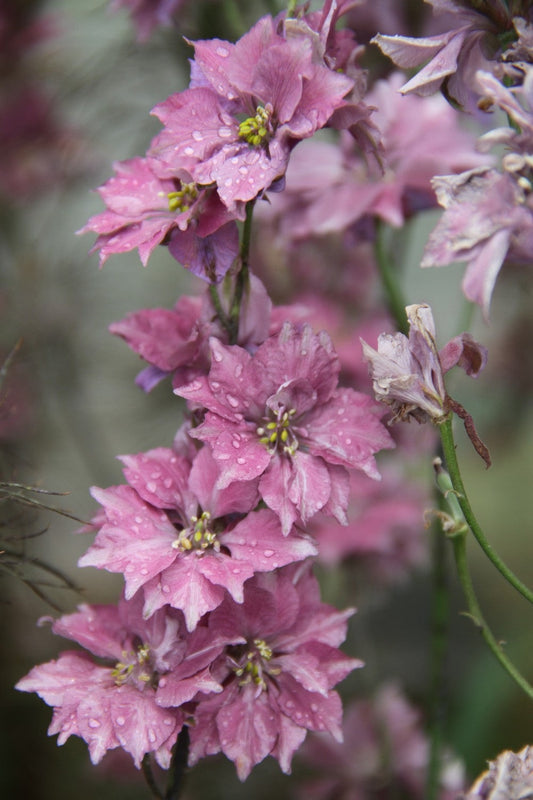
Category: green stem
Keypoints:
(393, 295)
(178, 766)
(242, 277)
(448, 446)
(219, 311)
(440, 608)
(291, 8)
(459, 549)
(149, 777)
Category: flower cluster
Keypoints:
(221, 627)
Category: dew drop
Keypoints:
(234, 403)
(144, 571)
(238, 370)
(167, 720)
(223, 52)
(165, 589)
(234, 160)
(236, 444)
(217, 355)
(198, 136)
(189, 151)
(348, 440)
(243, 170)
(152, 487)
(162, 682)
(167, 483)
(151, 736)
(241, 460)
(268, 553)
(94, 723)
(314, 708)
(228, 182)
(224, 132)
(120, 721)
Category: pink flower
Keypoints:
(279, 416)
(176, 341)
(144, 211)
(278, 683)
(183, 541)
(276, 83)
(385, 534)
(330, 187)
(384, 746)
(131, 697)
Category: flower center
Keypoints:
(277, 434)
(197, 536)
(134, 668)
(257, 130)
(182, 199)
(251, 663)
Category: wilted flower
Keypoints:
(509, 777)
(407, 373)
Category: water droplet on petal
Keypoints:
(223, 52)
(151, 736)
(268, 553)
(152, 487)
(241, 460)
(120, 721)
(234, 403)
(224, 132)
(198, 136)
(94, 723)
(189, 151)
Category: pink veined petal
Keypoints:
(408, 51)
(259, 540)
(247, 729)
(310, 709)
(183, 585)
(160, 477)
(139, 725)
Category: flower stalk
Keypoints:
(448, 446)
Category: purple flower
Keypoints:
(487, 219)
(278, 683)
(131, 697)
(276, 83)
(453, 57)
(279, 416)
(144, 210)
(181, 539)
